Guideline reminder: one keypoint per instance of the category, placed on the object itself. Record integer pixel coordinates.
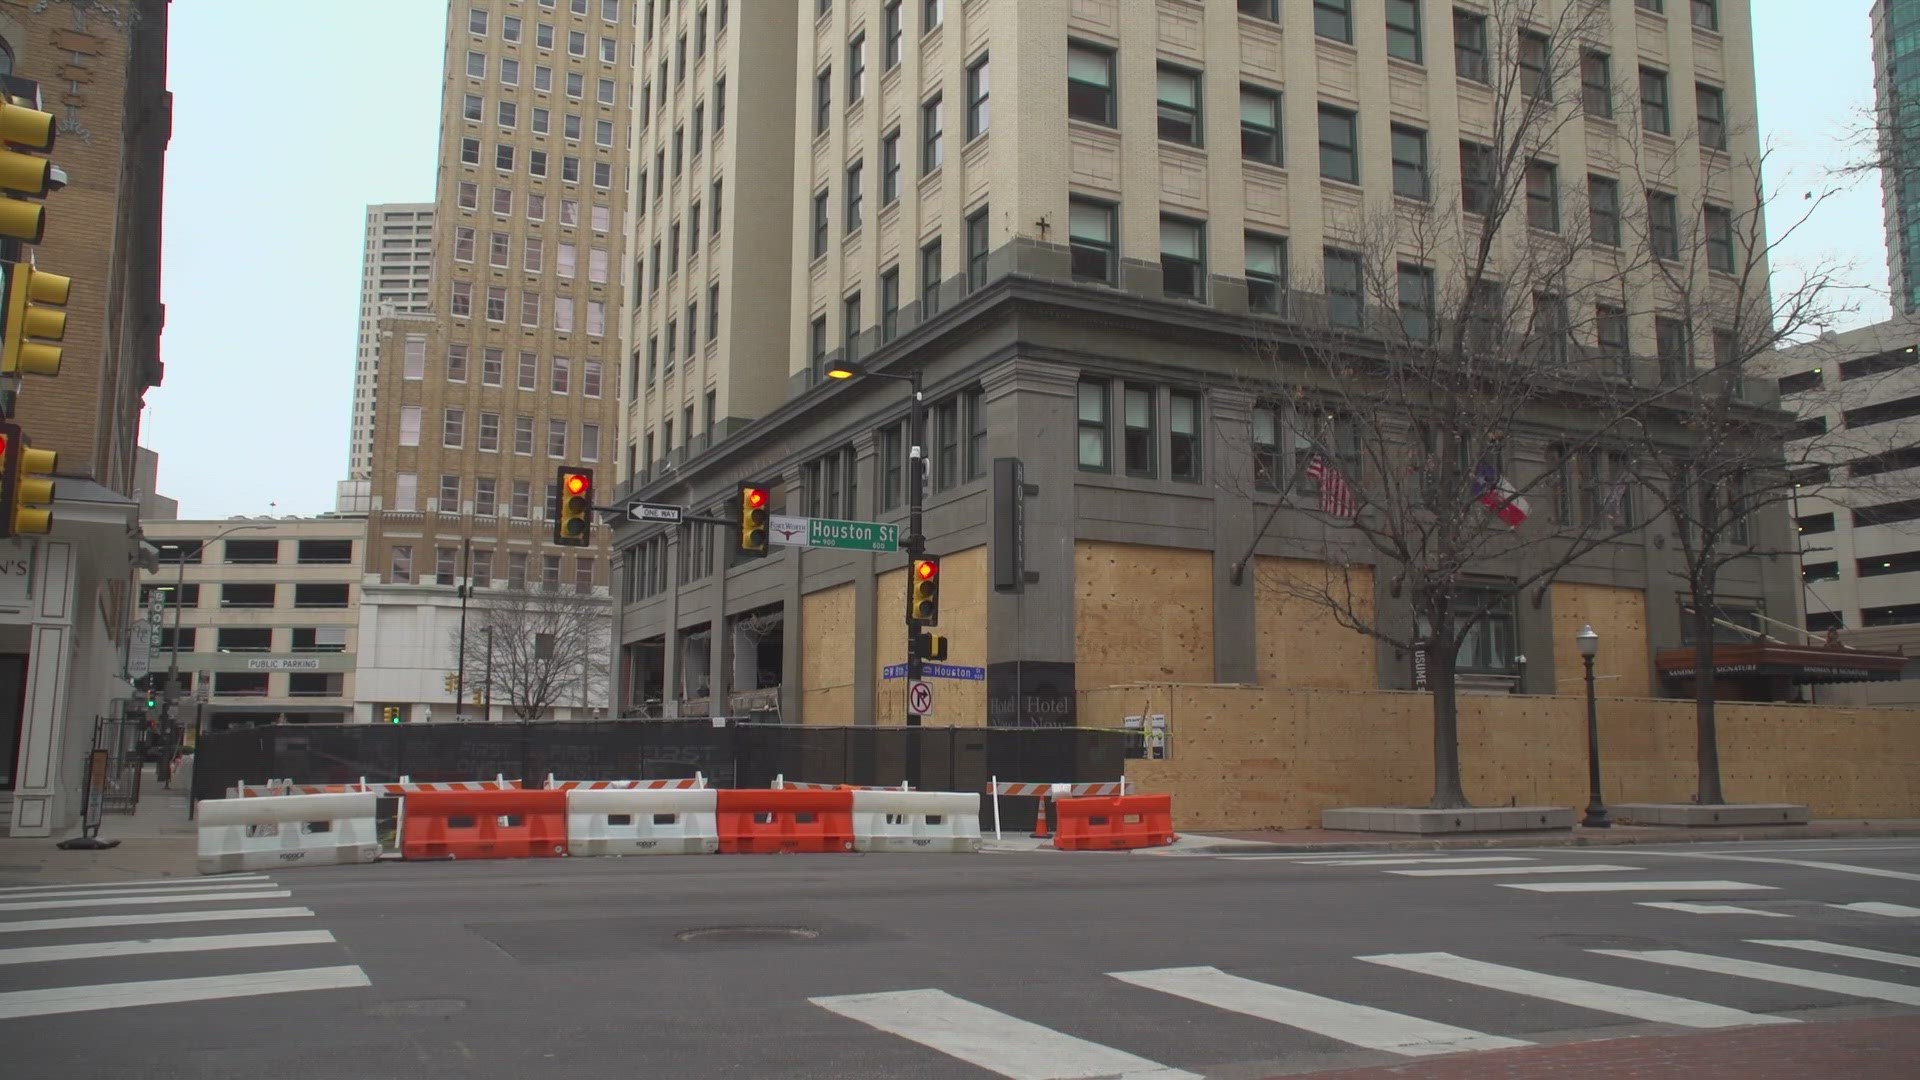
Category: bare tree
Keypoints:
(535, 648)
(1458, 365)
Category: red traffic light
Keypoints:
(755, 497)
(926, 569)
(577, 483)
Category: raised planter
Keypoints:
(1696, 815)
(1401, 819)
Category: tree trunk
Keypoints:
(1706, 736)
(1447, 791)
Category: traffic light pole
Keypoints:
(916, 545)
(460, 662)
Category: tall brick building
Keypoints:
(101, 71)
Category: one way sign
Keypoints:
(643, 511)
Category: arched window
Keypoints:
(6, 57)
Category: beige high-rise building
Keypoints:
(512, 375)
(396, 278)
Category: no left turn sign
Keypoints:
(920, 698)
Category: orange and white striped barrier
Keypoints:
(1047, 793)
(696, 782)
(781, 783)
(405, 786)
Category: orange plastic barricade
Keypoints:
(1113, 823)
(484, 824)
(759, 822)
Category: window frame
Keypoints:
(1351, 120)
(1089, 91)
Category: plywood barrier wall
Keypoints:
(1622, 667)
(1253, 757)
(1298, 641)
(826, 660)
(963, 619)
(1141, 613)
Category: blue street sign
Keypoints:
(937, 671)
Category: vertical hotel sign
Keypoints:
(144, 641)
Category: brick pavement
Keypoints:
(1856, 1049)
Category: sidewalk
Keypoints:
(1867, 1049)
(156, 841)
(1276, 841)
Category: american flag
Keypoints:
(1336, 498)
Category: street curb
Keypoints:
(1702, 835)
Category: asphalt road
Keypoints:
(1024, 965)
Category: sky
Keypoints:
(290, 118)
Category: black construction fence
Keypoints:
(738, 755)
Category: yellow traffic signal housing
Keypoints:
(754, 504)
(573, 523)
(923, 598)
(26, 486)
(28, 310)
(24, 128)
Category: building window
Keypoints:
(1718, 221)
(1090, 84)
(930, 13)
(977, 242)
(1090, 237)
(973, 404)
(526, 372)
(856, 195)
(977, 111)
(930, 281)
(1711, 103)
(817, 347)
(1671, 346)
(1183, 432)
(891, 466)
(931, 129)
(1339, 145)
(1543, 197)
(1260, 126)
(1409, 162)
(1470, 45)
(822, 100)
(1261, 9)
(1706, 14)
(850, 326)
(890, 304)
(1476, 178)
(1333, 19)
(1266, 274)
(453, 428)
(456, 362)
(415, 358)
(1183, 262)
(856, 68)
(1653, 102)
(1610, 334)
(1488, 647)
(1403, 30)
(820, 232)
(520, 503)
(489, 437)
(1596, 84)
(469, 151)
(1534, 61)
(1346, 299)
(719, 106)
(713, 312)
(409, 425)
(503, 157)
(1663, 225)
(469, 196)
(1415, 297)
(1138, 432)
(485, 502)
(1603, 209)
(400, 570)
(556, 438)
(1179, 92)
(1093, 425)
(523, 435)
(890, 168)
(890, 30)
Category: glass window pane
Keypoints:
(1139, 408)
(1087, 66)
(1183, 418)
(1086, 221)
(1263, 257)
(1093, 402)
(1259, 108)
(1177, 88)
(1180, 239)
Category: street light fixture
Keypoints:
(1589, 644)
(915, 543)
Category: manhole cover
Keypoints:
(1601, 941)
(748, 933)
(417, 1008)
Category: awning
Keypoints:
(1802, 664)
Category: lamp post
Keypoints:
(464, 584)
(915, 543)
(179, 590)
(1589, 643)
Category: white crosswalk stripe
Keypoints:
(1848, 985)
(1711, 909)
(1896, 911)
(256, 879)
(1404, 861)
(993, 1040)
(1360, 1025)
(1490, 871)
(1634, 886)
(1640, 1004)
(1850, 951)
(158, 904)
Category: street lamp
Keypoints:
(179, 590)
(916, 544)
(1589, 644)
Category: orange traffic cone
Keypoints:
(1040, 820)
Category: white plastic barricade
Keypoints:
(642, 822)
(286, 830)
(916, 821)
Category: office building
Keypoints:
(396, 274)
(1896, 93)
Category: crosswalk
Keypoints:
(54, 964)
(1302, 1022)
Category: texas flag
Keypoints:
(1497, 495)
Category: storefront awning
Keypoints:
(1802, 664)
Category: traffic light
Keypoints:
(23, 127)
(390, 714)
(754, 500)
(450, 682)
(25, 491)
(30, 300)
(930, 646)
(573, 525)
(923, 599)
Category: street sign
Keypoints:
(937, 671)
(645, 511)
(202, 686)
(283, 663)
(806, 532)
(920, 698)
